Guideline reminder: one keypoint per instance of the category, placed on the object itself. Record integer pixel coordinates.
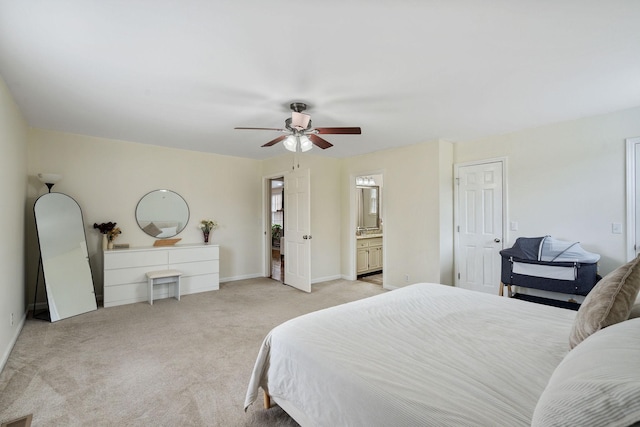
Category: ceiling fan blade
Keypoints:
(336, 131)
(275, 141)
(279, 130)
(322, 143)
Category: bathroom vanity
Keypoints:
(368, 253)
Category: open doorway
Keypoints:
(369, 229)
(277, 228)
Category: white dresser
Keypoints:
(125, 280)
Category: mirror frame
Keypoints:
(158, 231)
(64, 257)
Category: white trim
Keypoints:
(7, 353)
(632, 146)
(456, 208)
(236, 278)
(326, 279)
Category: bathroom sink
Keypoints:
(369, 236)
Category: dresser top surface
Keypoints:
(160, 248)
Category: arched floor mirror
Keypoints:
(64, 256)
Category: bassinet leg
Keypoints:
(267, 400)
(501, 292)
(509, 291)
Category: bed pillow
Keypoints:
(151, 229)
(608, 303)
(596, 384)
(635, 310)
(167, 232)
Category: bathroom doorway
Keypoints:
(276, 211)
(369, 230)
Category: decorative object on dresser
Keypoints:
(166, 242)
(162, 214)
(107, 231)
(63, 256)
(207, 226)
(125, 279)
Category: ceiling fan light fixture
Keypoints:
(305, 143)
(300, 121)
(290, 143)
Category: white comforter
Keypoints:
(423, 355)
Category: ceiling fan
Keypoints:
(301, 134)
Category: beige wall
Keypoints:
(413, 192)
(13, 164)
(326, 180)
(108, 177)
(566, 180)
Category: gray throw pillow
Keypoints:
(151, 229)
(608, 303)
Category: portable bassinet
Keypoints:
(549, 264)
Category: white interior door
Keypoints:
(633, 198)
(479, 226)
(297, 235)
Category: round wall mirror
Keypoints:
(162, 214)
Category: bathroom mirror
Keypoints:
(162, 214)
(63, 253)
(368, 200)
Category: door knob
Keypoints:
(305, 237)
(497, 240)
(310, 237)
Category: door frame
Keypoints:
(456, 208)
(353, 220)
(266, 221)
(633, 145)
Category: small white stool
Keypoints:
(163, 276)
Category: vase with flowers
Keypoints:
(207, 226)
(109, 233)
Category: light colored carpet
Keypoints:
(183, 363)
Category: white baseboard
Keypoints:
(326, 279)
(7, 352)
(236, 278)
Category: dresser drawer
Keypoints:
(129, 275)
(125, 294)
(196, 268)
(126, 259)
(203, 283)
(203, 253)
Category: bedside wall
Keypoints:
(13, 163)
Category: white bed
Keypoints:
(426, 354)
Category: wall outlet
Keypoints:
(11, 319)
(406, 278)
(616, 228)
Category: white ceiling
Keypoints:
(184, 73)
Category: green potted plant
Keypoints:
(276, 234)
